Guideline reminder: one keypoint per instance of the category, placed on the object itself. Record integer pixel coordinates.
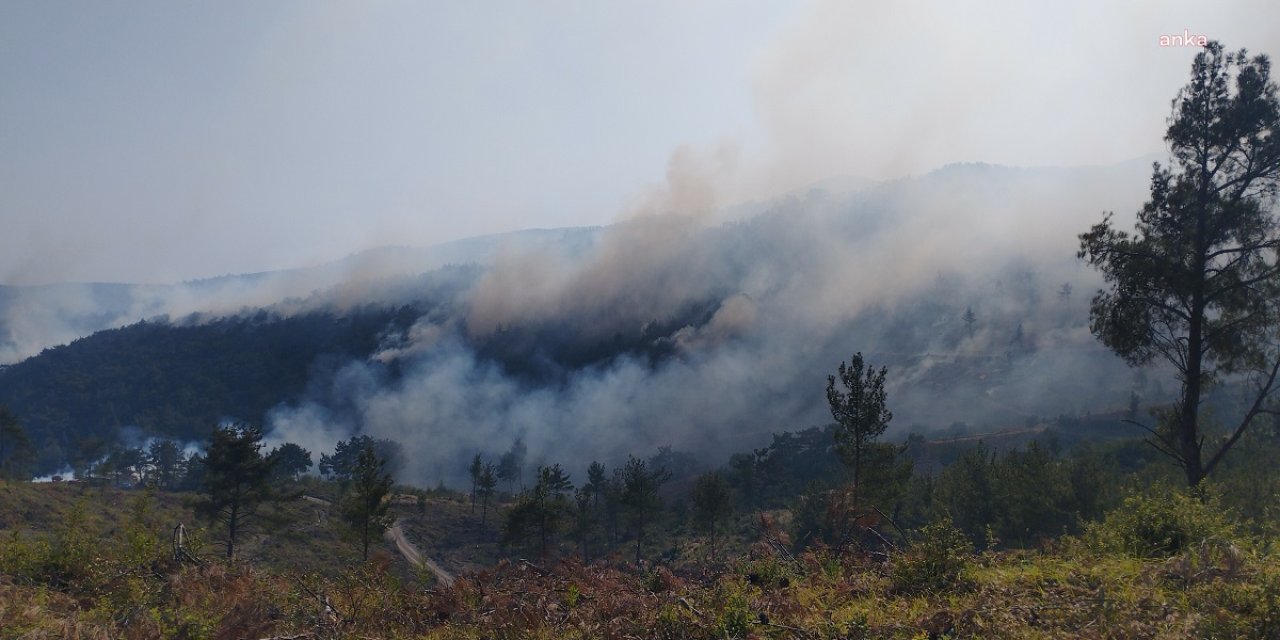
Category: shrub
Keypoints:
(768, 572)
(675, 623)
(935, 562)
(1159, 525)
(1238, 609)
(734, 619)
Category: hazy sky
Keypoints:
(153, 142)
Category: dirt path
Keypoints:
(395, 535)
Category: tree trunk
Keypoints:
(1188, 427)
(857, 470)
(364, 541)
(639, 535)
(542, 535)
(713, 541)
(1188, 421)
(231, 533)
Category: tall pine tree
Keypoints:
(235, 481)
(365, 507)
(1196, 283)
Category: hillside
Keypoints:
(156, 379)
(38, 317)
(692, 332)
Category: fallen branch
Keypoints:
(766, 527)
(882, 538)
(692, 609)
(326, 606)
(895, 524)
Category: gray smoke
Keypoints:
(785, 291)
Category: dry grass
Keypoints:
(119, 587)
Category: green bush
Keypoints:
(935, 562)
(768, 572)
(1160, 525)
(734, 619)
(24, 559)
(674, 623)
(1238, 609)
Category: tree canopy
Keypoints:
(17, 457)
(1195, 284)
(289, 461)
(365, 507)
(640, 483)
(860, 412)
(235, 482)
(344, 461)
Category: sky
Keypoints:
(158, 141)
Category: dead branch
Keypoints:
(325, 605)
(688, 605)
(180, 552)
(772, 539)
(890, 521)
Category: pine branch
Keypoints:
(1263, 393)
(1162, 443)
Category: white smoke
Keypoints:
(788, 292)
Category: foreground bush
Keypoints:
(1160, 525)
(934, 562)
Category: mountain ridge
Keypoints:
(663, 330)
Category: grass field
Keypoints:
(96, 562)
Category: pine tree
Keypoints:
(166, 462)
(860, 413)
(474, 470)
(583, 519)
(17, 456)
(640, 486)
(289, 462)
(235, 481)
(1196, 283)
(710, 505)
(511, 465)
(487, 482)
(539, 509)
(596, 480)
(365, 507)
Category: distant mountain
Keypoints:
(593, 343)
(840, 185)
(33, 318)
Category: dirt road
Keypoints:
(395, 535)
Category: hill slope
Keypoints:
(689, 331)
(180, 381)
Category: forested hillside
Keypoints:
(706, 334)
(178, 381)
